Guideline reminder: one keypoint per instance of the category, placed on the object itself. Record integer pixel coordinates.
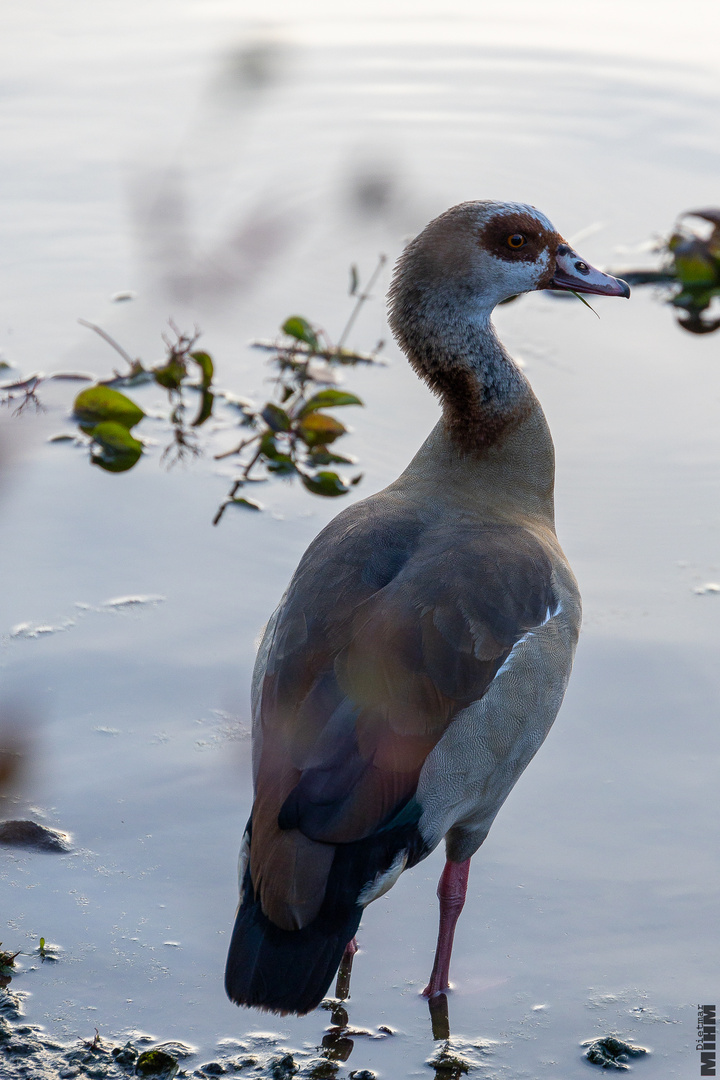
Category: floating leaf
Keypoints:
(300, 329)
(119, 451)
(329, 399)
(319, 429)
(325, 483)
(71, 376)
(204, 360)
(248, 504)
(99, 403)
(275, 417)
(171, 375)
(205, 410)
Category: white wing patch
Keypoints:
(243, 859)
(383, 882)
(549, 615)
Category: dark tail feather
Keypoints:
(290, 971)
(285, 971)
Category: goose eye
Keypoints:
(517, 240)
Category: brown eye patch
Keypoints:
(516, 236)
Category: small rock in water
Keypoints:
(29, 834)
(611, 1052)
(283, 1068)
(125, 1055)
(156, 1065)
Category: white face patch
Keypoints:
(503, 278)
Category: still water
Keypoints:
(228, 172)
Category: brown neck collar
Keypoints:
(484, 394)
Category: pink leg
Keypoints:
(350, 949)
(451, 894)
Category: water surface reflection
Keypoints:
(583, 919)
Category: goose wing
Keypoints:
(390, 627)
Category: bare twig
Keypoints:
(28, 389)
(238, 449)
(342, 356)
(362, 298)
(110, 340)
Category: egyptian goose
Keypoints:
(422, 649)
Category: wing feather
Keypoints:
(385, 634)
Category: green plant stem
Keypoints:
(362, 298)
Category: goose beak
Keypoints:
(573, 274)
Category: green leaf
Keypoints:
(268, 446)
(695, 268)
(171, 375)
(99, 403)
(204, 361)
(275, 417)
(205, 410)
(119, 451)
(694, 299)
(325, 483)
(247, 504)
(300, 329)
(354, 280)
(320, 455)
(581, 298)
(282, 465)
(329, 399)
(319, 429)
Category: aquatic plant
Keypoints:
(291, 435)
(689, 271)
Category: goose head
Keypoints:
(445, 286)
(478, 254)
